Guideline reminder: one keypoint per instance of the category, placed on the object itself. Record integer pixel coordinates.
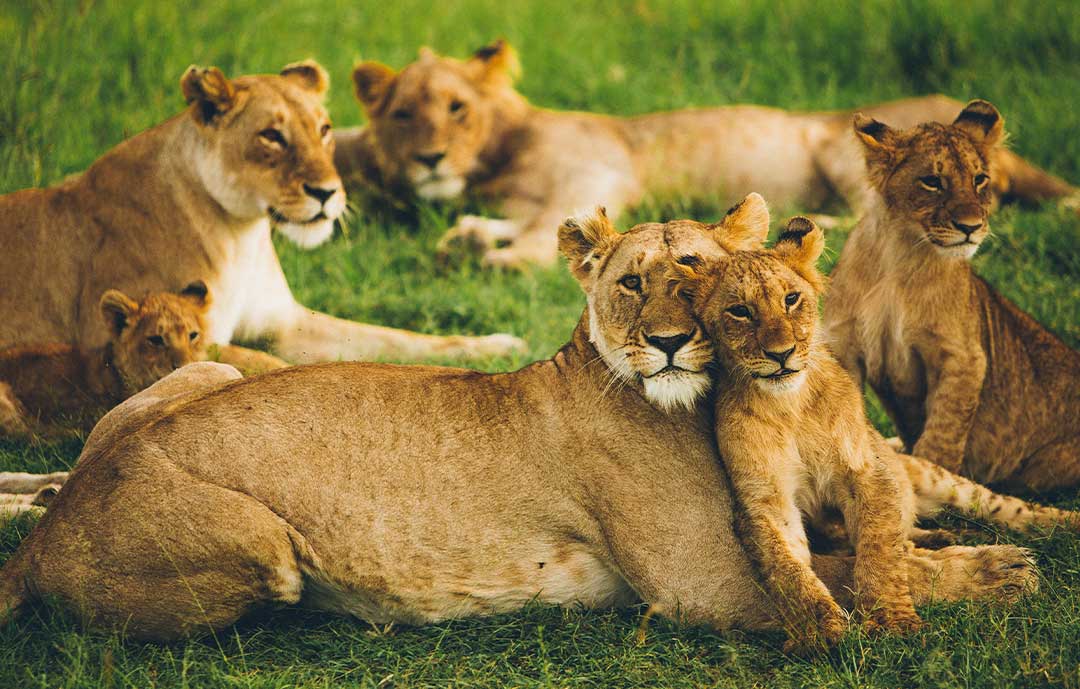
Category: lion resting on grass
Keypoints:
(195, 198)
(442, 127)
(417, 494)
(972, 382)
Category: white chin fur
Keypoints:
(778, 386)
(676, 389)
(440, 189)
(309, 235)
(964, 251)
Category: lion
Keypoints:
(417, 493)
(971, 382)
(195, 198)
(441, 128)
(795, 439)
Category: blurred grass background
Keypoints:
(77, 77)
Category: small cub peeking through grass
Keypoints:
(795, 439)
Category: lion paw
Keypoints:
(901, 620)
(828, 628)
(1006, 573)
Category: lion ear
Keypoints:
(799, 246)
(880, 144)
(584, 240)
(197, 293)
(745, 226)
(117, 309)
(309, 75)
(982, 122)
(372, 81)
(210, 91)
(495, 64)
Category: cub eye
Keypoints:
(631, 282)
(401, 115)
(981, 179)
(273, 136)
(931, 182)
(156, 340)
(456, 107)
(740, 311)
(324, 130)
(791, 299)
(193, 336)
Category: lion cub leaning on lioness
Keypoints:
(795, 439)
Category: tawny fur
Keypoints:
(971, 382)
(195, 198)
(418, 493)
(441, 128)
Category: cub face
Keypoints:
(642, 329)
(433, 119)
(152, 338)
(759, 307)
(937, 176)
(267, 149)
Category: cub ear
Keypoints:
(212, 93)
(982, 122)
(117, 309)
(372, 81)
(496, 64)
(799, 246)
(197, 293)
(745, 226)
(880, 144)
(308, 74)
(584, 240)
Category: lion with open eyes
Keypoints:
(441, 128)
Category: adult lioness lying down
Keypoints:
(442, 127)
(194, 198)
(421, 493)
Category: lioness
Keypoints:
(442, 127)
(420, 493)
(196, 197)
(971, 381)
(43, 385)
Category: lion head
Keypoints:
(642, 330)
(264, 147)
(152, 338)
(937, 178)
(434, 120)
(760, 307)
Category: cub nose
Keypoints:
(318, 193)
(967, 225)
(780, 357)
(431, 160)
(669, 344)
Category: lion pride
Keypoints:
(195, 198)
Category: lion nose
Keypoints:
(431, 160)
(780, 357)
(668, 344)
(967, 225)
(318, 193)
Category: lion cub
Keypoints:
(48, 387)
(794, 437)
(972, 382)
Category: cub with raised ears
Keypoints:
(791, 430)
(45, 387)
(972, 382)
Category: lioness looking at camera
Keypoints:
(195, 198)
(441, 128)
(417, 494)
(972, 382)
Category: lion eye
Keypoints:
(740, 311)
(193, 336)
(324, 130)
(401, 115)
(981, 179)
(631, 282)
(273, 136)
(156, 340)
(931, 182)
(791, 299)
(456, 107)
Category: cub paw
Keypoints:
(827, 629)
(903, 620)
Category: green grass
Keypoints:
(78, 77)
